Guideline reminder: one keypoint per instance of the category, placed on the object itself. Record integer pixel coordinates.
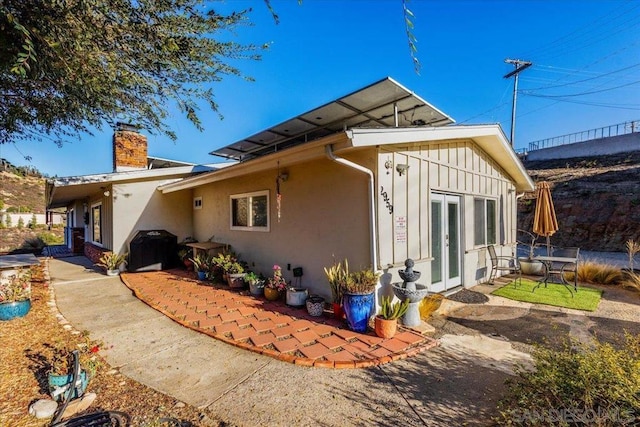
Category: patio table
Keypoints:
(548, 262)
(207, 246)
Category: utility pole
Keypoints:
(520, 66)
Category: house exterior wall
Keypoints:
(139, 206)
(457, 168)
(324, 216)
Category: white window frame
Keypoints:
(91, 223)
(485, 225)
(249, 204)
(197, 203)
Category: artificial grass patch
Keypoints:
(586, 299)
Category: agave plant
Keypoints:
(112, 260)
(392, 311)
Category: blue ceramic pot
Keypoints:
(202, 275)
(357, 310)
(11, 310)
(56, 381)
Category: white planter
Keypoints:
(296, 297)
(534, 268)
(113, 272)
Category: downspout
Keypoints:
(372, 207)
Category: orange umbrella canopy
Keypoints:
(545, 222)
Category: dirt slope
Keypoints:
(597, 200)
(25, 191)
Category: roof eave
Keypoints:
(489, 137)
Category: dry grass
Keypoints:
(25, 359)
(605, 274)
(632, 281)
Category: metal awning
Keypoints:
(385, 103)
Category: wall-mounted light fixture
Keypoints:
(283, 176)
(105, 191)
(402, 168)
(388, 165)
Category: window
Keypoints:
(197, 203)
(485, 222)
(250, 211)
(96, 223)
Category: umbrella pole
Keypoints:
(548, 246)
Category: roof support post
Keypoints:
(372, 207)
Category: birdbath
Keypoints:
(415, 292)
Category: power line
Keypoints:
(575, 101)
(586, 93)
(588, 79)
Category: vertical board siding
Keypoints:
(458, 167)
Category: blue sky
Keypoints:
(586, 71)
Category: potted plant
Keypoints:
(256, 283)
(201, 263)
(296, 297)
(235, 274)
(185, 255)
(357, 298)
(527, 264)
(111, 262)
(61, 368)
(337, 275)
(315, 305)
(275, 285)
(386, 322)
(15, 295)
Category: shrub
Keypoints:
(33, 222)
(33, 244)
(593, 272)
(20, 223)
(50, 238)
(599, 384)
(8, 221)
(631, 281)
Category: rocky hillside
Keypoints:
(597, 200)
(22, 193)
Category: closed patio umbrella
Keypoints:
(545, 222)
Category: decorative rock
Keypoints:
(43, 408)
(179, 405)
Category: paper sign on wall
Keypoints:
(400, 229)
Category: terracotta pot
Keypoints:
(338, 313)
(271, 294)
(385, 328)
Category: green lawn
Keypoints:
(586, 299)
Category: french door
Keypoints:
(446, 265)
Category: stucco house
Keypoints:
(104, 211)
(377, 176)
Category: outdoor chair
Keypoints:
(561, 268)
(503, 263)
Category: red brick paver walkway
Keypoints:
(270, 328)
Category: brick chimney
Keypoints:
(129, 148)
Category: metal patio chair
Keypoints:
(503, 263)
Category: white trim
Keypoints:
(496, 221)
(249, 196)
(91, 224)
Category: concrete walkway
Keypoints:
(458, 382)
